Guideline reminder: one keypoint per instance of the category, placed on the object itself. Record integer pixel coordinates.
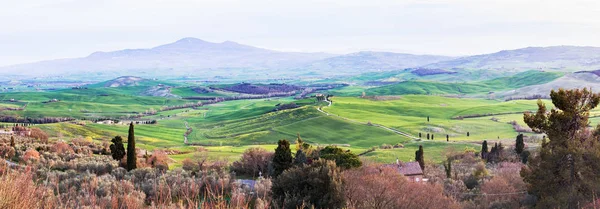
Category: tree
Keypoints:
(427, 118)
(300, 158)
(427, 136)
(282, 159)
(447, 138)
(448, 167)
(431, 136)
(419, 157)
(12, 141)
(117, 149)
(318, 185)
(519, 144)
(468, 134)
(131, 155)
(383, 187)
(419, 135)
(565, 172)
(484, 149)
(343, 159)
(255, 160)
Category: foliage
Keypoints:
(282, 159)
(343, 159)
(318, 185)
(253, 161)
(117, 149)
(419, 157)
(484, 149)
(376, 187)
(565, 172)
(131, 155)
(519, 144)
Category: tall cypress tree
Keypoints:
(519, 145)
(12, 141)
(419, 157)
(282, 159)
(131, 155)
(484, 150)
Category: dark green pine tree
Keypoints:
(519, 145)
(431, 136)
(282, 159)
(484, 149)
(427, 136)
(419, 157)
(131, 155)
(117, 149)
(447, 138)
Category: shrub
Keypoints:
(31, 155)
(62, 148)
(253, 161)
(377, 187)
(318, 184)
(159, 160)
(343, 159)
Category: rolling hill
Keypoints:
(571, 58)
(373, 61)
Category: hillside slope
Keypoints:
(554, 57)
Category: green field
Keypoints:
(519, 80)
(226, 129)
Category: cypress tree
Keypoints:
(419, 135)
(427, 118)
(282, 159)
(519, 145)
(427, 136)
(431, 136)
(447, 138)
(468, 134)
(484, 149)
(12, 141)
(419, 157)
(131, 155)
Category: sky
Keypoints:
(35, 30)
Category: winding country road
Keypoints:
(407, 135)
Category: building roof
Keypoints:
(408, 168)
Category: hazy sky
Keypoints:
(33, 30)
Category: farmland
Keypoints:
(225, 129)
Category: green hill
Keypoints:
(519, 80)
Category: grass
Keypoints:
(410, 114)
(434, 151)
(519, 80)
(231, 127)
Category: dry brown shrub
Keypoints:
(377, 187)
(62, 148)
(17, 190)
(31, 155)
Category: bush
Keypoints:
(253, 161)
(377, 187)
(318, 184)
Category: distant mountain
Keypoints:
(186, 54)
(373, 61)
(554, 57)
